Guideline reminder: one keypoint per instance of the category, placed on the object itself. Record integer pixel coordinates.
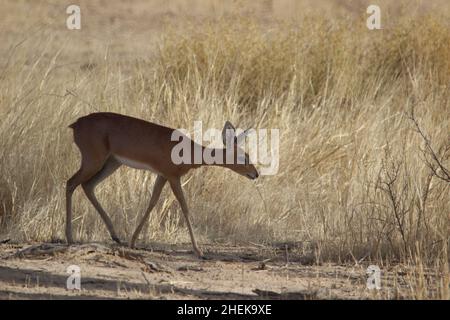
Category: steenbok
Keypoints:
(108, 140)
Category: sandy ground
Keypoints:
(39, 271)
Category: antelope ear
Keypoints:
(241, 137)
(228, 133)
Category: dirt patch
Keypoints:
(39, 271)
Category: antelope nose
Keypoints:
(256, 174)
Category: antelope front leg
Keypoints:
(178, 191)
(159, 184)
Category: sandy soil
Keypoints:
(39, 271)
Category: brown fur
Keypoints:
(106, 138)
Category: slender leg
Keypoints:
(178, 191)
(71, 185)
(88, 169)
(110, 166)
(157, 188)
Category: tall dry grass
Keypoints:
(352, 184)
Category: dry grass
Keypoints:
(352, 181)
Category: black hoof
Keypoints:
(117, 240)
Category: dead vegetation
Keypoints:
(361, 179)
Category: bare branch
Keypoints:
(432, 159)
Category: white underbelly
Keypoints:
(134, 164)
